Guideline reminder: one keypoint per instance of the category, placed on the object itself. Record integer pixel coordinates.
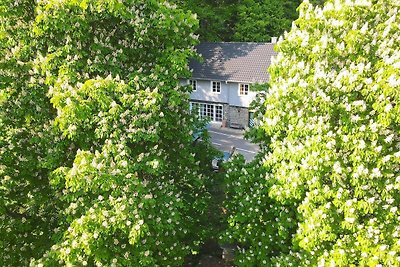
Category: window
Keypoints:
(218, 113)
(194, 108)
(193, 84)
(203, 110)
(210, 111)
(251, 119)
(243, 89)
(216, 87)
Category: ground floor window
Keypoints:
(218, 112)
(212, 111)
(251, 119)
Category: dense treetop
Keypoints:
(325, 188)
(243, 21)
(97, 160)
(249, 20)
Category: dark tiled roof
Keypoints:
(240, 62)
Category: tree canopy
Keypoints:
(97, 160)
(258, 21)
(98, 165)
(325, 188)
(242, 21)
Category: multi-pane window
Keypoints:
(210, 111)
(216, 87)
(193, 84)
(243, 89)
(203, 110)
(194, 108)
(218, 113)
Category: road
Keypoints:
(224, 138)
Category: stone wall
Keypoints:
(226, 113)
(238, 116)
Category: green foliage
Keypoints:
(259, 20)
(27, 217)
(243, 21)
(216, 18)
(325, 188)
(318, 2)
(261, 226)
(98, 165)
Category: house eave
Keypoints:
(226, 81)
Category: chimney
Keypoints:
(274, 39)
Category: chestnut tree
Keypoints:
(98, 165)
(324, 190)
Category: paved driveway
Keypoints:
(224, 138)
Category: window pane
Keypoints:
(194, 108)
(204, 110)
(243, 89)
(216, 87)
(210, 111)
(218, 113)
(193, 83)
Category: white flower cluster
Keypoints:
(332, 120)
(126, 195)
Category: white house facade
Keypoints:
(222, 82)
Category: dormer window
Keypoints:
(243, 89)
(216, 87)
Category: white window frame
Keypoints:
(193, 84)
(220, 110)
(212, 87)
(208, 110)
(245, 92)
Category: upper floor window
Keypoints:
(216, 87)
(193, 84)
(243, 89)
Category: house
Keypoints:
(222, 82)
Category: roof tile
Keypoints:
(240, 62)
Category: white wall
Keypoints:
(229, 93)
(240, 100)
